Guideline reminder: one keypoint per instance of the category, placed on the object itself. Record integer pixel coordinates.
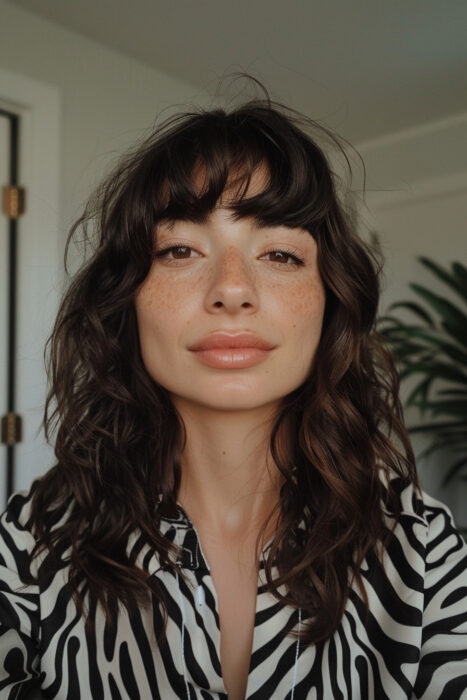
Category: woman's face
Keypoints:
(222, 278)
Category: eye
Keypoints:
(163, 252)
(285, 253)
(182, 252)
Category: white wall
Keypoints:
(417, 204)
(108, 100)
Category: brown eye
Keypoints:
(280, 256)
(183, 248)
(283, 255)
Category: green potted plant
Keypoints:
(432, 349)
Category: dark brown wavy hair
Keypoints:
(338, 440)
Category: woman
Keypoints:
(235, 507)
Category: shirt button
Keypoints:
(200, 596)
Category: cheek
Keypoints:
(163, 308)
(152, 318)
(305, 307)
(155, 299)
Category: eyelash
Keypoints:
(286, 251)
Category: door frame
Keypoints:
(40, 277)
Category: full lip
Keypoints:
(221, 339)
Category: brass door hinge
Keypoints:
(13, 201)
(11, 429)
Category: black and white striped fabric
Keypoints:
(412, 645)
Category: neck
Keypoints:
(229, 482)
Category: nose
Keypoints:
(232, 285)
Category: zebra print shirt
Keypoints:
(413, 644)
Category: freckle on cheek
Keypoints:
(155, 295)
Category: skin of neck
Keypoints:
(229, 483)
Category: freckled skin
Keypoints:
(228, 282)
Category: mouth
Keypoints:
(232, 358)
(227, 341)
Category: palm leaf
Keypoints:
(447, 408)
(435, 369)
(387, 318)
(421, 388)
(438, 445)
(454, 469)
(460, 273)
(434, 347)
(446, 277)
(455, 353)
(430, 427)
(448, 312)
(457, 330)
(402, 350)
(402, 334)
(415, 308)
(453, 392)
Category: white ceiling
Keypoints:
(364, 67)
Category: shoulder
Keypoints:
(440, 555)
(17, 513)
(427, 535)
(433, 516)
(18, 531)
(445, 553)
(16, 538)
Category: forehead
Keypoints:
(237, 180)
(237, 186)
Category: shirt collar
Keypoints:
(179, 529)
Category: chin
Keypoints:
(231, 402)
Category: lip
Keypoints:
(232, 358)
(223, 340)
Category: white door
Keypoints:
(4, 160)
(38, 266)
